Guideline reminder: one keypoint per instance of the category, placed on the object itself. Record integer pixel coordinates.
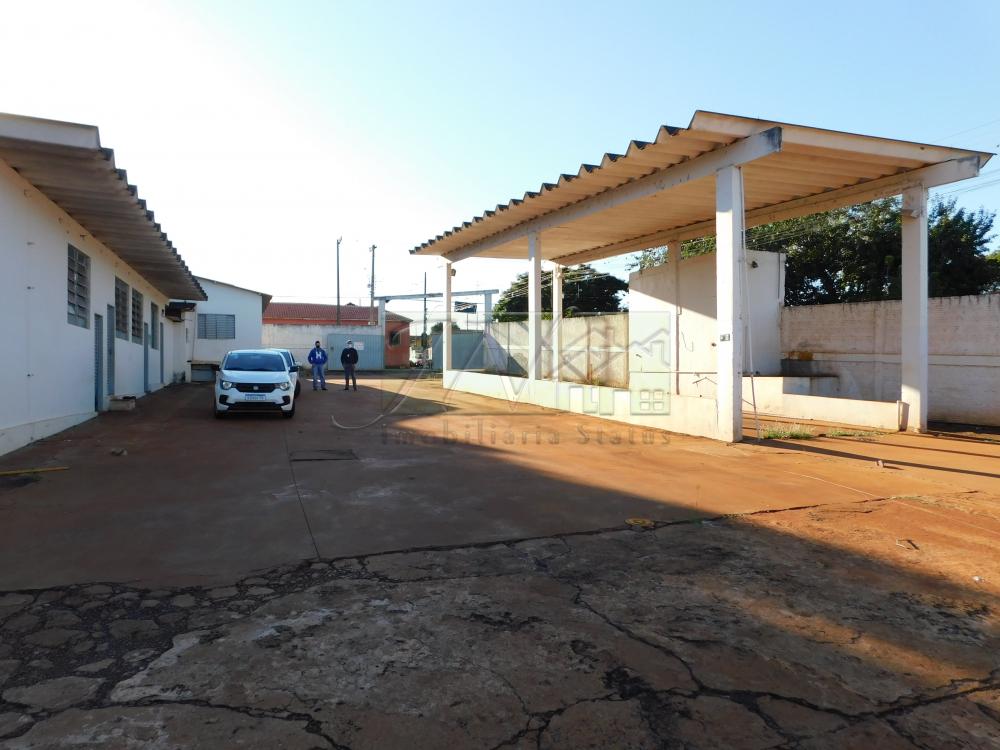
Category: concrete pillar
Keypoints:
(674, 261)
(914, 314)
(534, 306)
(446, 326)
(557, 318)
(730, 303)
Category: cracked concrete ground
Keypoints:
(859, 612)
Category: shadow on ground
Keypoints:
(807, 628)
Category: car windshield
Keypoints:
(286, 356)
(254, 362)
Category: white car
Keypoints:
(254, 380)
(293, 369)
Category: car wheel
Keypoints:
(219, 414)
(290, 413)
(298, 389)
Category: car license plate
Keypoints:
(256, 397)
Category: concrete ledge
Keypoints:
(641, 406)
(18, 436)
(883, 415)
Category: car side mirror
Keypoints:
(216, 368)
(293, 368)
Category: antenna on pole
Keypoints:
(338, 279)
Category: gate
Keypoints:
(370, 346)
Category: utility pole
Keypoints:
(338, 279)
(371, 309)
(423, 334)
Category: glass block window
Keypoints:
(78, 288)
(121, 309)
(136, 316)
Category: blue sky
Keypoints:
(260, 131)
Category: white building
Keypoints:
(231, 318)
(86, 277)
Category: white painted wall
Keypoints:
(653, 296)
(223, 299)
(47, 383)
(301, 338)
(860, 344)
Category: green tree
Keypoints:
(585, 290)
(853, 254)
(439, 326)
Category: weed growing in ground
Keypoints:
(788, 432)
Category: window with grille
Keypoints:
(78, 288)
(136, 316)
(121, 309)
(216, 326)
(396, 338)
(154, 325)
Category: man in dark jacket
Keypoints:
(317, 358)
(349, 358)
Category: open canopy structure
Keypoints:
(718, 176)
(67, 163)
(664, 189)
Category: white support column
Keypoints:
(446, 326)
(730, 304)
(557, 318)
(914, 314)
(534, 307)
(674, 261)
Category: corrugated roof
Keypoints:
(285, 312)
(806, 162)
(66, 162)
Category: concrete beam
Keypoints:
(740, 152)
(935, 175)
(914, 391)
(730, 303)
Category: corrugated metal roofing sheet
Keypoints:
(67, 163)
(811, 161)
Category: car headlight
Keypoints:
(226, 385)
(284, 386)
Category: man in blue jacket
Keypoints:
(349, 358)
(318, 358)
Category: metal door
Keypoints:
(370, 346)
(98, 363)
(466, 354)
(162, 381)
(145, 357)
(111, 351)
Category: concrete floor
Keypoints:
(397, 567)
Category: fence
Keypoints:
(594, 349)
(860, 344)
